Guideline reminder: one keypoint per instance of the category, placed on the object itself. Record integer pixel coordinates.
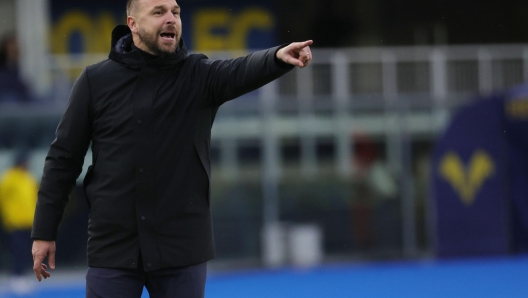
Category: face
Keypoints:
(156, 26)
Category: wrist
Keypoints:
(279, 54)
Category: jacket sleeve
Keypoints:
(229, 79)
(64, 161)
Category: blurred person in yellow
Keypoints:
(18, 196)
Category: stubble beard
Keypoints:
(151, 42)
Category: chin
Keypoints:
(167, 49)
(165, 52)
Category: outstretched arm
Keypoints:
(228, 79)
(297, 53)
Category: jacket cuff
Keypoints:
(42, 235)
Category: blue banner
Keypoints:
(470, 183)
(86, 26)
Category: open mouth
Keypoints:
(168, 36)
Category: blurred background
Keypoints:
(405, 139)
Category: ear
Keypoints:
(131, 22)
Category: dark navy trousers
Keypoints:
(181, 282)
(19, 246)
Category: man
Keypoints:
(148, 111)
(18, 195)
(12, 89)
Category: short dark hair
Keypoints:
(131, 6)
(4, 42)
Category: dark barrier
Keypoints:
(515, 113)
(84, 27)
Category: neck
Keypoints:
(146, 55)
(140, 45)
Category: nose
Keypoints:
(171, 19)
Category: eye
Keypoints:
(176, 13)
(157, 12)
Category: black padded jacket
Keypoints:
(149, 124)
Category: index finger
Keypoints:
(303, 44)
(37, 265)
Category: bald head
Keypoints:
(131, 7)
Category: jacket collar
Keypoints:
(123, 52)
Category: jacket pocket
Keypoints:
(89, 177)
(203, 155)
